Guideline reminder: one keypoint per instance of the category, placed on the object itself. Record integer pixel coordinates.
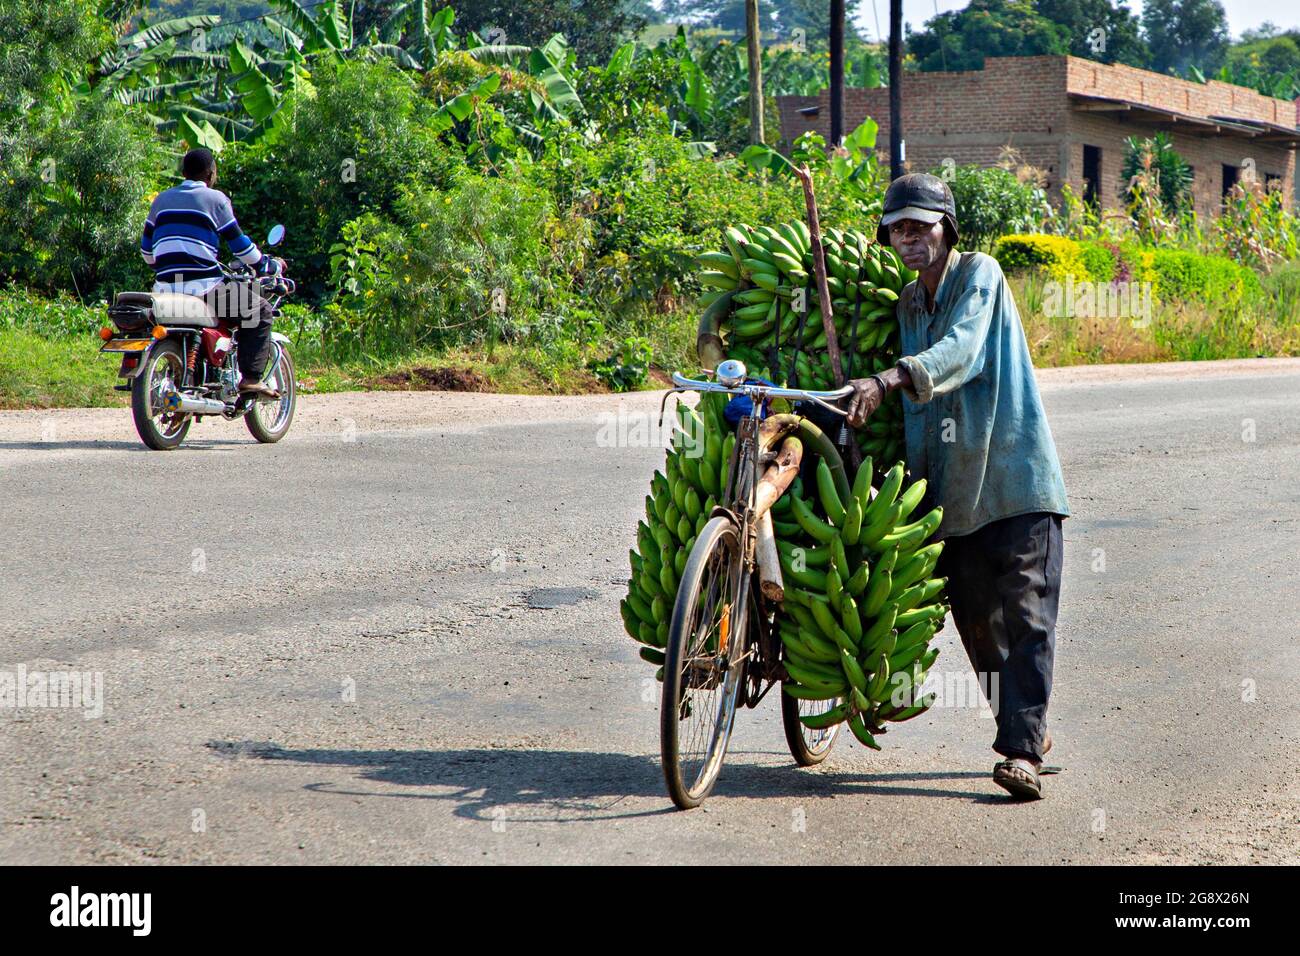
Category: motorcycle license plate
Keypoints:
(126, 345)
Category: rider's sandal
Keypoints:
(1018, 777)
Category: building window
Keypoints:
(1230, 176)
(1091, 174)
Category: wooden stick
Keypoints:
(819, 273)
(824, 297)
(779, 475)
(771, 583)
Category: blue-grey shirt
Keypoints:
(973, 420)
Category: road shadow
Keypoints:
(105, 445)
(570, 786)
(190, 444)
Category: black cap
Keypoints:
(918, 196)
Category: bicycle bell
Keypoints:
(731, 373)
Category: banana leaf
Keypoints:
(335, 25)
(256, 92)
(498, 54)
(137, 64)
(561, 97)
(199, 134)
(621, 59)
(304, 24)
(153, 35)
(158, 92)
(760, 156)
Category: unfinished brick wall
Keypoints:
(1025, 102)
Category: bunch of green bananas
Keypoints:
(860, 605)
(762, 299)
(676, 510)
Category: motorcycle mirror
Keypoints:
(275, 236)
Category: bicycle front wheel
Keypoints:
(704, 663)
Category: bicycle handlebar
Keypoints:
(758, 392)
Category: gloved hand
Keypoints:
(270, 266)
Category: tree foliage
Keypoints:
(961, 39)
(1098, 30)
(1185, 33)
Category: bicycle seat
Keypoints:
(170, 308)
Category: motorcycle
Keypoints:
(179, 361)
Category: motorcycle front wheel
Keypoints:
(164, 369)
(269, 421)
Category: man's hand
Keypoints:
(866, 398)
(270, 266)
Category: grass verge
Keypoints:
(49, 354)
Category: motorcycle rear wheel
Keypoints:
(163, 371)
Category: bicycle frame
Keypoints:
(739, 493)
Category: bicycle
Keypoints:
(718, 599)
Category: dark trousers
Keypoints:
(1004, 584)
(240, 303)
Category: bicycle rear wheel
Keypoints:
(704, 663)
(808, 747)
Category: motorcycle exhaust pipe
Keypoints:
(176, 402)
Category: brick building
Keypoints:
(1070, 117)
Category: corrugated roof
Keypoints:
(1210, 126)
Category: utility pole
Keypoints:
(895, 88)
(755, 73)
(837, 72)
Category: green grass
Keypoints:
(55, 372)
(49, 353)
(1269, 325)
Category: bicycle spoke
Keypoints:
(708, 670)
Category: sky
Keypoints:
(1242, 14)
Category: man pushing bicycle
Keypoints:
(975, 429)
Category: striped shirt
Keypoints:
(182, 236)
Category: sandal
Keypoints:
(1018, 777)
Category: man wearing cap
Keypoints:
(976, 431)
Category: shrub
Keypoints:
(350, 148)
(61, 317)
(654, 206)
(627, 368)
(74, 195)
(1099, 260)
(1189, 276)
(1174, 274)
(1154, 166)
(484, 261)
(1056, 256)
(992, 202)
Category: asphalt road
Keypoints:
(349, 647)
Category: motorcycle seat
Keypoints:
(170, 308)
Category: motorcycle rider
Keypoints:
(182, 236)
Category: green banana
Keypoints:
(810, 523)
(830, 498)
(859, 729)
(806, 693)
(853, 671)
(828, 719)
